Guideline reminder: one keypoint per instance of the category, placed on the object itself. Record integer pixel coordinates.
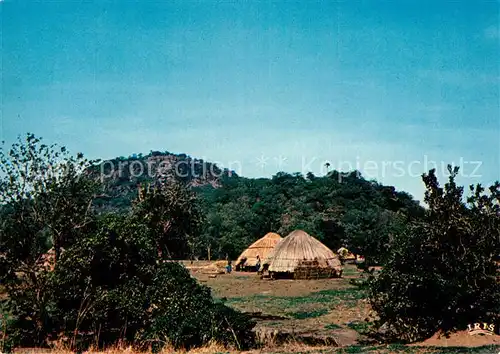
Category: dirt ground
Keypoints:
(310, 316)
(329, 312)
(237, 284)
(461, 339)
(241, 284)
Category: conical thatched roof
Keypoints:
(299, 248)
(262, 247)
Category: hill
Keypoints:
(121, 176)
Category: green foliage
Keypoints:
(110, 280)
(371, 231)
(172, 213)
(340, 211)
(110, 284)
(358, 326)
(442, 273)
(6, 320)
(332, 326)
(301, 315)
(353, 349)
(107, 281)
(46, 198)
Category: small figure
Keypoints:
(241, 265)
(229, 267)
(257, 265)
(265, 271)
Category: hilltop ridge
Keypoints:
(121, 176)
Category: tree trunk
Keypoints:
(57, 250)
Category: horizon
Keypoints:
(271, 86)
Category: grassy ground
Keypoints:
(329, 309)
(322, 301)
(321, 309)
(404, 349)
(325, 308)
(297, 348)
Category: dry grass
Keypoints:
(288, 347)
(208, 349)
(292, 347)
(206, 267)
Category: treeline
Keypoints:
(339, 209)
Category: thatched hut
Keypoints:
(301, 256)
(346, 256)
(262, 247)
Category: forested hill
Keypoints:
(339, 209)
(121, 176)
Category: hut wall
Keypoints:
(313, 270)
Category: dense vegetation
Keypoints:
(112, 234)
(340, 210)
(443, 272)
(108, 279)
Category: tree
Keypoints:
(172, 213)
(327, 165)
(46, 201)
(441, 274)
(370, 232)
(109, 284)
(242, 210)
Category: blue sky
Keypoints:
(261, 86)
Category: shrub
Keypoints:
(5, 325)
(109, 286)
(184, 313)
(441, 274)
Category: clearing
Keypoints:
(322, 312)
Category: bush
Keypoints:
(109, 286)
(441, 274)
(5, 325)
(184, 313)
